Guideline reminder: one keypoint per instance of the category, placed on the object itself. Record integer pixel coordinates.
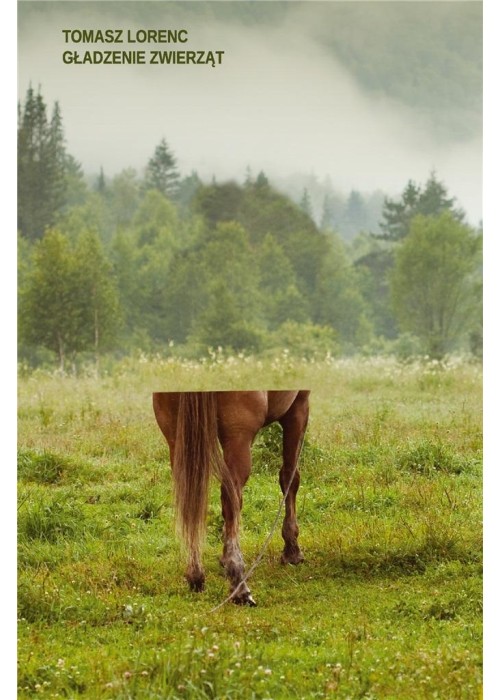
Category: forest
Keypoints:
(157, 279)
(161, 262)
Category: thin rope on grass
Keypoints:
(267, 540)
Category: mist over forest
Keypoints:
(359, 96)
(317, 192)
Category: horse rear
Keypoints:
(212, 432)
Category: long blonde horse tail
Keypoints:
(197, 455)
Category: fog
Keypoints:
(279, 102)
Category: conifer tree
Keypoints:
(100, 185)
(355, 216)
(327, 215)
(305, 203)
(261, 180)
(55, 160)
(432, 200)
(161, 172)
(41, 165)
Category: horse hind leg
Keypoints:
(238, 460)
(294, 424)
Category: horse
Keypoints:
(212, 432)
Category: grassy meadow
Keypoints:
(388, 603)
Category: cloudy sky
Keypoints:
(279, 102)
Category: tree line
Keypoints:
(166, 263)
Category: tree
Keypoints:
(248, 176)
(432, 200)
(219, 202)
(94, 213)
(305, 203)
(56, 160)
(261, 181)
(337, 300)
(186, 192)
(222, 324)
(328, 213)
(355, 217)
(76, 189)
(100, 185)
(156, 218)
(228, 257)
(43, 166)
(48, 315)
(281, 299)
(99, 316)
(161, 173)
(221, 260)
(433, 281)
(123, 257)
(156, 236)
(373, 270)
(69, 302)
(123, 195)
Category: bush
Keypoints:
(306, 340)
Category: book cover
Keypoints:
(269, 203)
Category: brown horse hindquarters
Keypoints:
(191, 423)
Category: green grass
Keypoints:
(387, 605)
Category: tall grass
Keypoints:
(387, 604)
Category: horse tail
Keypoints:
(197, 455)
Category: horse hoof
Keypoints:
(292, 558)
(197, 585)
(245, 599)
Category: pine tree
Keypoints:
(161, 172)
(261, 180)
(55, 160)
(327, 214)
(42, 165)
(433, 200)
(248, 177)
(186, 192)
(397, 214)
(355, 215)
(305, 203)
(100, 185)
(76, 190)
(30, 124)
